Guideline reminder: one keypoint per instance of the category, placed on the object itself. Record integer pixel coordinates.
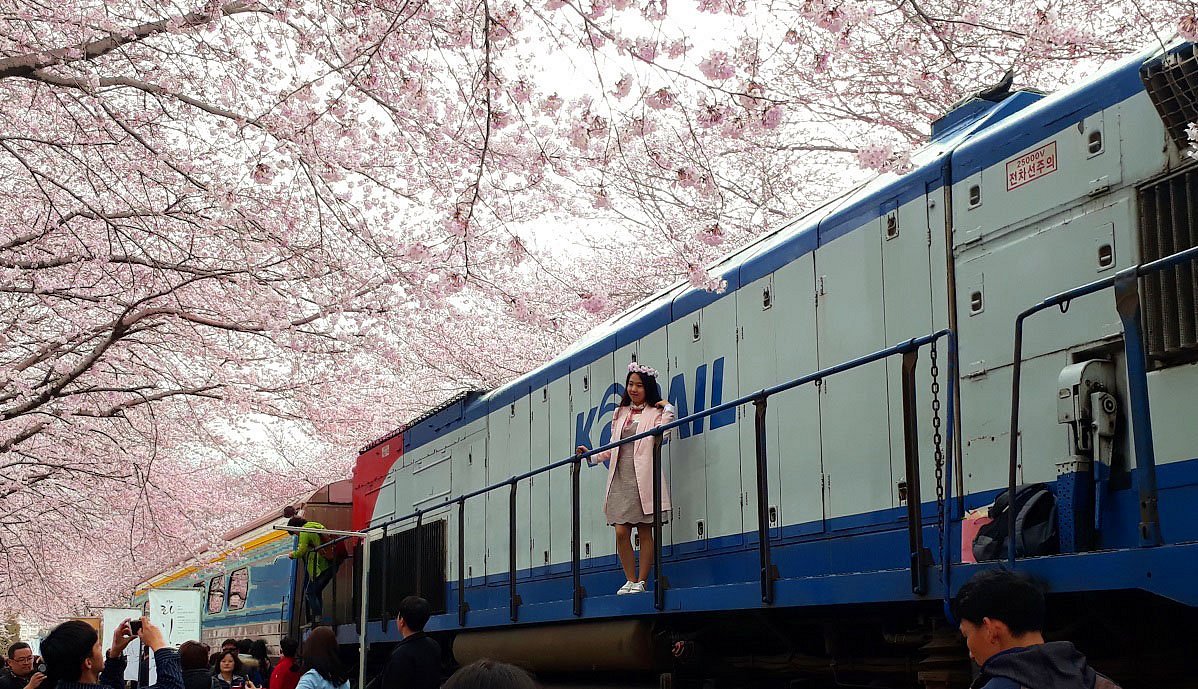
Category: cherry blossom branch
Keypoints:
(25, 65)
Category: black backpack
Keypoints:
(1035, 525)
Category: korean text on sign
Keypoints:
(1032, 166)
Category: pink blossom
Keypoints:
(700, 278)
(416, 251)
(874, 156)
(772, 117)
(456, 225)
(579, 136)
(623, 86)
(593, 303)
(263, 173)
(717, 67)
(678, 48)
(661, 99)
(1187, 26)
(521, 91)
(711, 115)
(645, 49)
(552, 103)
(712, 235)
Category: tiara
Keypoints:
(634, 367)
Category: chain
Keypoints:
(937, 447)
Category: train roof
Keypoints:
(976, 134)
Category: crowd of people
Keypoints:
(73, 657)
(1000, 615)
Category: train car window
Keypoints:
(239, 588)
(216, 594)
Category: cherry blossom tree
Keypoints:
(240, 238)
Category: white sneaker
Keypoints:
(626, 588)
(636, 587)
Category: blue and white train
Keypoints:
(818, 534)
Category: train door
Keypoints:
(540, 454)
(592, 399)
(854, 415)
(651, 351)
(688, 452)
(561, 444)
(797, 411)
(470, 474)
(725, 497)
(519, 462)
(907, 293)
(499, 422)
(758, 368)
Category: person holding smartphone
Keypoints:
(230, 674)
(21, 671)
(75, 657)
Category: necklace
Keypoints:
(638, 407)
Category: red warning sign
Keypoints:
(1031, 166)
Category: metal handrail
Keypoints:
(1127, 302)
(919, 557)
(913, 343)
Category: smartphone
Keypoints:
(135, 627)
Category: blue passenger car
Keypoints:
(251, 588)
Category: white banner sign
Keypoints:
(177, 613)
(110, 619)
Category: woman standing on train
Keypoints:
(629, 500)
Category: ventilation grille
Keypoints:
(393, 570)
(1168, 210)
(1172, 83)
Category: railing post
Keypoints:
(364, 617)
(659, 584)
(1127, 302)
(418, 533)
(576, 535)
(1013, 456)
(462, 607)
(386, 548)
(919, 558)
(513, 599)
(768, 572)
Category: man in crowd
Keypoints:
(416, 661)
(20, 672)
(319, 567)
(1001, 615)
(287, 672)
(226, 645)
(75, 658)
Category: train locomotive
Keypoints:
(848, 408)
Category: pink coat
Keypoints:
(642, 454)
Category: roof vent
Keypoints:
(972, 107)
(1172, 83)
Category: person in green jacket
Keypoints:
(320, 568)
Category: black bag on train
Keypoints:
(1035, 525)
